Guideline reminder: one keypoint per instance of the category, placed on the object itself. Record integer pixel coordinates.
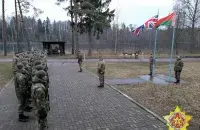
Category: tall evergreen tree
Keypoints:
(94, 16)
(71, 13)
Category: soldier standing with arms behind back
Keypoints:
(178, 66)
(80, 60)
(101, 71)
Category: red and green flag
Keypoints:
(166, 21)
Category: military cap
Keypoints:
(40, 73)
(20, 65)
(39, 67)
(24, 62)
(38, 62)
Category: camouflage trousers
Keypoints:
(177, 75)
(151, 69)
(41, 121)
(101, 79)
(22, 100)
(42, 124)
(80, 65)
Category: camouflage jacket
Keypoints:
(151, 60)
(15, 61)
(101, 67)
(44, 81)
(21, 82)
(80, 58)
(178, 66)
(39, 97)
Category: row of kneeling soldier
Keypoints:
(31, 86)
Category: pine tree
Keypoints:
(94, 16)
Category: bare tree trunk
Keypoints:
(17, 27)
(90, 43)
(72, 25)
(76, 31)
(4, 28)
(23, 27)
(192, 38)
(193, 26)
(177, 32)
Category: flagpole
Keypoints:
(172, 49)
(154, 52)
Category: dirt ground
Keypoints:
(160, 99)
(5, 73)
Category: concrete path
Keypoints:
(77, 104)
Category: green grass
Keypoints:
(5, 73)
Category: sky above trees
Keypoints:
(130, 11)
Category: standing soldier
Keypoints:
(136, 54)
(22, 91)
(80, 60)
(101, 71)
(28, 79)
(178, 66)
(39, 95)
(15, 61)
(151, 64)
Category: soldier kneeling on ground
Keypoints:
(101, 71)
(22, 92)
(39, 96)
(178, 66)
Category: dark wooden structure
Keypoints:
(54, 47)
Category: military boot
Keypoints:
(23, 118)
(177, 82)
(101, 86)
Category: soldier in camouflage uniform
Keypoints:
(101, 71)
(38, 68)
(37, 62)
(21, 91)
(80, 60)
(15, 61)
(178, 66)
(151, 63)
(40, 101)
(28, 79)
(136, 54)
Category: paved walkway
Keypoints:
(77, 104)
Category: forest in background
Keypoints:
(187, 36)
